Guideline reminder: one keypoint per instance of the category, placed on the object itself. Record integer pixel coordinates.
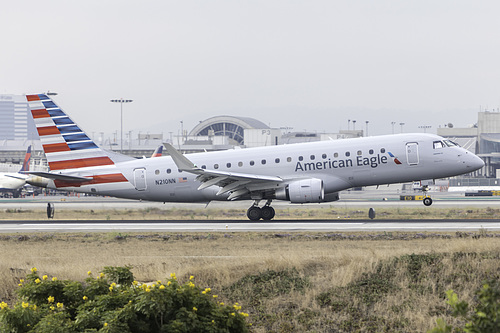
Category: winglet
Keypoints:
(182, 162)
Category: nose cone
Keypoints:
(474, 162)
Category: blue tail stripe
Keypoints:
(42, 96)
(69, 129)
(56, 113)
(49, 104)
(63, 121)
(76, 137)
(82, 145)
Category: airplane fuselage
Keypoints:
(339, 164)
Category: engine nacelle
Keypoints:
(38, 181)
(302, 191)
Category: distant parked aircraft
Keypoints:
(13, 182)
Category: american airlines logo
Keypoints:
(372, 162)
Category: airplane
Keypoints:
(313, 172)
(12, 182)
(158, 152)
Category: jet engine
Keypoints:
(302, 191)
(38, 181)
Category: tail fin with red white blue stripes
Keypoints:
(26, 162)
(68, 149)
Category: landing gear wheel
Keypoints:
(254, 213)
(427, 201)
(267, 213)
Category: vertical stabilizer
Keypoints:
(27, 159)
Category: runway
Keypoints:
(244, 226)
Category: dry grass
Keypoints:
(219, 260)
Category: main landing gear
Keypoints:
(256, 213)
(427, 200)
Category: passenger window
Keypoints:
(336, 155)
(347, 154)
(169, 170)
(324, 156)
(359, 152)
(371, 151)
(288, 159)
(157, 172)
(312, 157)
(228, 165)
(382, 150)
(203, 166)
(216, 166)
(277, 160)
(240, 164)
(252, 163)
(263, 162)
(301, 158)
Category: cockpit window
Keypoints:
(438, 144)
(450, 143)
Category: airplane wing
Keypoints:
(16, 176)
(57, 176)
(239, 184)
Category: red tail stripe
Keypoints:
(100, 179)
(40, 113)
(32, 98)
(56, 147)
(48, 130)
(80, 163)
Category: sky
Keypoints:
(312, 65)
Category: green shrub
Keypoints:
(485, 317)
(114, 302)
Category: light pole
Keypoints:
(121, 101)
(393, 123)
(402, 124)
(366, 127)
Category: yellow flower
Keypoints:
(162, 287)
(195, 308)
(59, 305)
(233, 314)
(25, 305)
(204, 292)
(37, 281)
(101, 275)
(34, 307)
(20, 284)
(85, 298)
(191, 277)
(54, 279)
(89, 273)
(33, 270)
(147, 290)
(172, 275)
(215, 296)
(169, 283)
(236, 306)
(191, 284)
(52, 308)
(45, 277)
(159, 281)
(22, 280)
(105, 324)
(3, 305)
(51, 299)
(221, 303)
(244, 314)
(110, 288)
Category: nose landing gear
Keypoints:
(427, 200)
(256, 213)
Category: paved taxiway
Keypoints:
(240, 226)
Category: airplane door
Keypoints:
(140, 179)
(412, 153)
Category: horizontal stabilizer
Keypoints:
(59, 176)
